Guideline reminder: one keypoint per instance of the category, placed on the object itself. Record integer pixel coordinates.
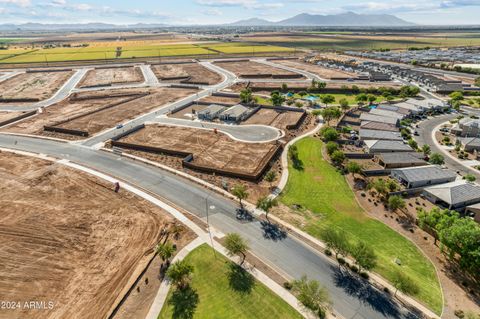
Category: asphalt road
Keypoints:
(352, 297)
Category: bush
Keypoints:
(354, 268)
(331, 148)
(364, 275)
(328, 252)
(329, 134)
(386, 290)
(287, 285)
(459, 313)
(341, 261)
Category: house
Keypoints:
(455, 195)
(378, 118)
(394, 108)
(428, 104)
(474, 212)
(380, 146)
(366, 134)
(399, 160)
(370, 125)
(470, 144)
(387, 113)
(211, 112)
(235, 113)
(467, 127)
(414, 109)
(415, 177)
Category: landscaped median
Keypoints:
(321, 197)
(222, 289)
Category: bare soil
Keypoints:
(187, 113)
(321, 71)
(39, 85)
(85, 251)
(245, 68)
(193, 72)
(220, 99)
(5, 116)
(109, 76)
(208, 149)
(275, 118)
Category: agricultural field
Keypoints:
(110, 76)
(85, 251)
(224, 290)
(328, 202)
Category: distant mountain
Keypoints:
(77, 27)
(349, 19)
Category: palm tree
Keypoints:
(266, 203)
(270, 177)
(179, 274)
(165, 251)
(236, 245)
(240, 192)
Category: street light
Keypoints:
(208, 225)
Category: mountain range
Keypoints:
(338, 20)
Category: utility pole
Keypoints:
(208, 226)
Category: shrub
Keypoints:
(287, 285)
(354, 268)
(364, 275)
(341, 261)
(328, 252)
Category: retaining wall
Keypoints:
(18, 118)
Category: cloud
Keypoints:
(212, 12)
(409, 6)
(20, 3)
(248, 4)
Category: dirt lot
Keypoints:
(321, 71)
(278, 119)
(187, 73)
(99, 121)
(109, 76)
(84, 252)
(40, 86)
(6, 116)
(208, 149)
(187, 113)
(246, 68)
(220, 99)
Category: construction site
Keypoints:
(251, 69)
(87, 249)
(186, 72)
(106, 76)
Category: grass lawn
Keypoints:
(322, 190)
(223, 293)
(351, 98)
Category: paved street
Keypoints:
(352, 297)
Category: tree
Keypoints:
(364, 256)
(470, 178)
(179, 274)
(329, 134)
(456, 96)
(284, 87)
(437, 159)
(240, 192)
(312, 295)
(165, 250)
(426, 149)
(354, 168)
(246, 96)
(361, 98)
(331, 113)
(344, 105)
(321, 85)
(331, 147)
(277, 98)
(395, 203)
(371, 98)
(338, 157)
(404, 283)
(392, 185)
(336, 240)
(380, 186)
(236, 245)
(477, 81)
(270, 177)
(327, 99)
(413, 144)
(266, 204)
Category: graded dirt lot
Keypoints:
(186, 73)
(188, 112)
(211, 150)
(321, 71)
(8, 116)
(220, 99)
(275, 118)
(125, 108)
(247, 69)
(36, 85)
(66, 237)
(110, 76)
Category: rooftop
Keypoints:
(424, 173)
(387, 145)
(401, 158)
(366, 134)
(456, 192)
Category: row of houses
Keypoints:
(236, 113)
(362, 74)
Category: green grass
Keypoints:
(351, 98)
(217, 299)
(324, 191)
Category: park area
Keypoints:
(319, 198)
(67, 237)
(111, 75)
(186, 73)
(32, 86)
(222, 289)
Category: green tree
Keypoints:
(437, 159)
(404, 283)
(344, 105)
(312, 295)
(413, 144)
(331, 147)
(327, 99)
(364, 256)
(426, 149)
(470, 178)
(354, 168)
(371, 98)
(395, 203)
(165, 250)
(270, 177)
(336, 240)
(331, 113)
(380, 186)
(321, 85)
(240, 192)
(236, 245)
(392, 185)
(246, 96)
(338, 157)
(329, 134)
(179, 273)
(266, 204)
(294, 157)
(284, 87)
(477, 81)
(277, 98)
(361, 98)
(456, 96)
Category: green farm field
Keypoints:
(330, 203)
(226, 291)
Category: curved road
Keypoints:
(352, 298)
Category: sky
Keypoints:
(181, 12)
